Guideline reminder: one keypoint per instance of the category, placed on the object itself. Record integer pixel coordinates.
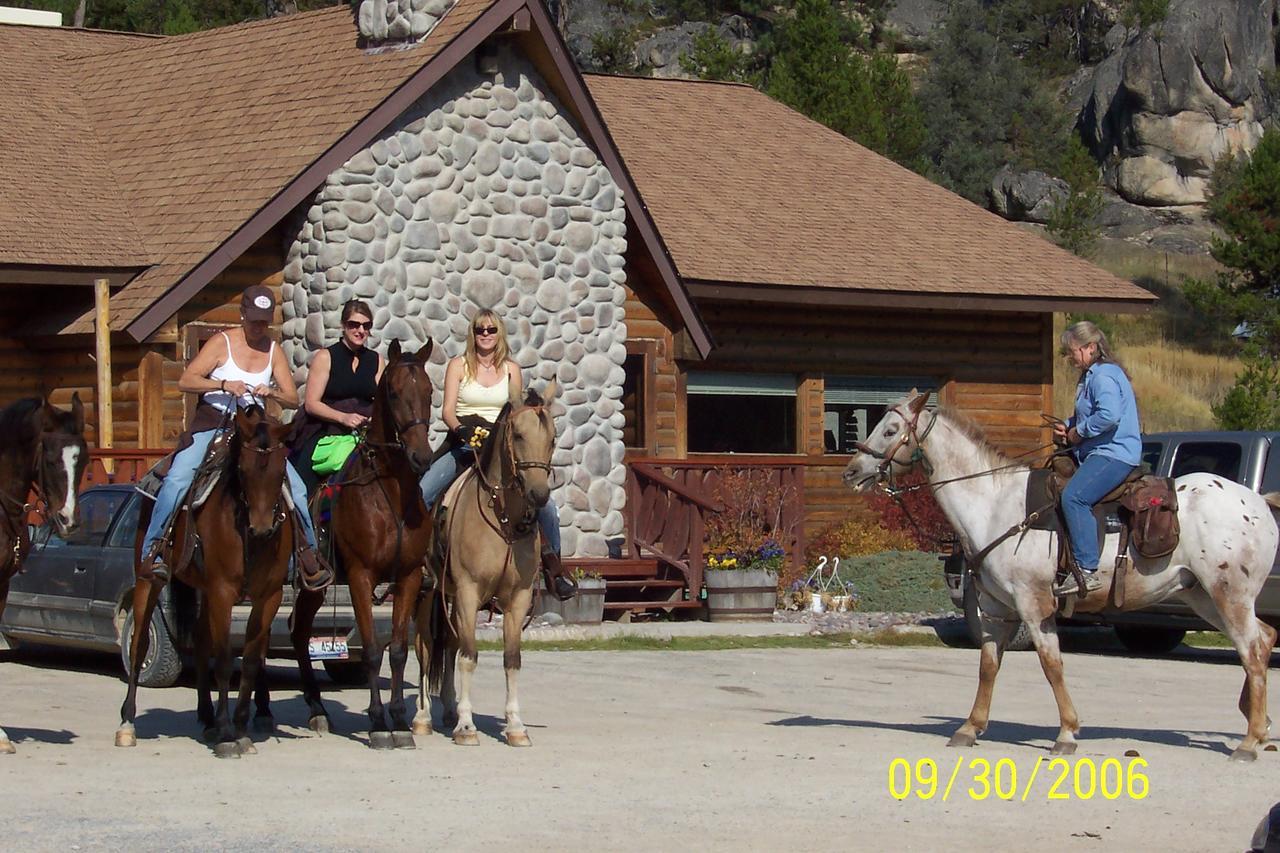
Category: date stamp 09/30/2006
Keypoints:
(1002, 779)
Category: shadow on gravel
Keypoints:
(19, 735)
(1024, 735)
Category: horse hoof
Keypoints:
(319, 724)
(264, 724)
(6, 745)
(466, 738)
(381, 740)
(246, 746)
(962, 739)
(1064, 747)
(227, 749)
(422, 728)
(124, 737)
(518, 739)
(403, 740)
(1245, 755)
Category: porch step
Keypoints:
(610, 568)
(651, 605)
(643, 583)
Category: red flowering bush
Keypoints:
(931, 529)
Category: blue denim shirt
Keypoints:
(1106, 417)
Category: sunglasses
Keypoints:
(356, 324)
(486, 330)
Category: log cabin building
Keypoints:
(713, 278)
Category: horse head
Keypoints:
(893, 442)
(528, 437)
(404, 396)
(61, 460)
(260, 464)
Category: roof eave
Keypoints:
(67, 275)
(720, 291)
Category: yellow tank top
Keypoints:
(483, 400)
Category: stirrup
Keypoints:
(1092, 583)
(314, 574)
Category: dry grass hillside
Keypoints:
(1175, 383)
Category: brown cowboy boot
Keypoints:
(558, 583)
(313, 572)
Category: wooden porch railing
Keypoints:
(669, 501)
(128, 465)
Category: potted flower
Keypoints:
(743, 586)
(744, 555)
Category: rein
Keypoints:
(14, 509)
(507, 461)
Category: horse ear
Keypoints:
(393, 351)
(917, 405)
(77, 413)
(244, 423)
(279, 432)
(424, 352)
(550, 393)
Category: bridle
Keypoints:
(401, 429)
(264, 455)
(512, 486)
(14, 509)
(888, 457)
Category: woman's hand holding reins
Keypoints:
(353, 420)
(234, 387)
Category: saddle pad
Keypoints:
(1039, 494)
(451, 493)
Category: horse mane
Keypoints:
(994, 457)
(491, 446)
(17, 426)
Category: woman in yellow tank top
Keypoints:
(477, 385)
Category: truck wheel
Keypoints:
(1149, 641)
(163, 664)
(348, 672)
(1021, 640)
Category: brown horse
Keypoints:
(382, 534)
(42, 449)
(246, 546)
(489, 551)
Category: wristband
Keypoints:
(222, 385)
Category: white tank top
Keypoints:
(230, 371)
(483, 400)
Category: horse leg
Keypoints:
(361, 585)
(220, 601)
(995, 635)
(1044, 634)
(145, 596)
(263, 721)
(204, 650)
(305, 607)
(465, 608)
(449, 686)
(512, 622)
(257, 635)
(422, 647)
(6, 745)
(406, 599)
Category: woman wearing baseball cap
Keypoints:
(233, 369)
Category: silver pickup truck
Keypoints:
(1249, 458)
(77, 592)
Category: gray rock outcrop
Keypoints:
(1026, 196)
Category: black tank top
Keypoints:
(347, 384)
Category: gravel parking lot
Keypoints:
(747, 749)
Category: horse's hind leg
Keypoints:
(422, 646)
(402, 610)
(995, 635)
(145, 595)
(1253, 640)
(6, 745)
(305, 607)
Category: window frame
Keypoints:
(848, 383)
(647, 349)
(786, 386)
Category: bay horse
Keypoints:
(382, 534)
(1228, 543)
(246, 542)
(489, 551)
(42, 449)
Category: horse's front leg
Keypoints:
(220, 599)
(204, 649)
(1044, 633)
(424, 622)
(253, 667)
(512, 621)
(6, 745)
(360, 581)
(305, 606)
(405, 601)
(145, 595)
(465, 606)
(996, 633)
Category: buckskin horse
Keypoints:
(246, 542)
(382, 534)
(488, 550)
(1225, 553)
(42, 448)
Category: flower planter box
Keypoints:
(741, 595)
(585, 608)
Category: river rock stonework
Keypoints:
(484, 195)
(399, 20)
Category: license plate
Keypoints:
(328, 648)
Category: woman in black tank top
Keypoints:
(341, 384)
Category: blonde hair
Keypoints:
(471, 361)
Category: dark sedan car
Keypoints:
(77, 592)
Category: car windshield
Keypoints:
(96, 511)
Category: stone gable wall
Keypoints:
(484, 195)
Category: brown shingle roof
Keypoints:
(61, 204)
(201, 131)
(745, 190)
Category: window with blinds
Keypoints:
(852, 405)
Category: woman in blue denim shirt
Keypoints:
(1107, 439)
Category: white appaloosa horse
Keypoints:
(1228, 543)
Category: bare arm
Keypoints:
(452, 381)
(515, 382)
(285, 393)
(195, 379)
(317, 382)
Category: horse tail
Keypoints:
(438, 620)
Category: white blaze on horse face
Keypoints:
(70, 457)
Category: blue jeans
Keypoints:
(446, 469)
(183, 471)
(1097, 476)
